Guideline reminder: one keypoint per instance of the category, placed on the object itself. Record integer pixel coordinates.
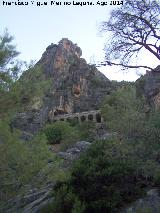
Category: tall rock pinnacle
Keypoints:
(75, 85)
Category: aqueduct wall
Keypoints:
(94, 115)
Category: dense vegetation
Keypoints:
(109, 175)
(116, 171)
(23, 94)
(112, 173)
(67, 133)
(31, 164)
(24, 165)
(99, 182)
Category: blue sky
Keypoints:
(36, 27)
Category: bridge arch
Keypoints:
(94, 115)
(98, 118)
(83, 118)
(90, 117)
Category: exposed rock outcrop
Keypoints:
(149, 86)
(73, 153)
(75, 86)
(150, 203)
(33, 201)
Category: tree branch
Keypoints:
(123, 65)
(147, 23)
(146, 46)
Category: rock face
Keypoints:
(150, 203)
(149, 86)
(75, 86)
(33, 201)
(70, 155)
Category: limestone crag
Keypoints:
(76, 86)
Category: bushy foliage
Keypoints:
(31, 86)
(61, 132)
(86, 130)
(53, 134)
(113, 173)
(8, 65)
(26, 93)
(101, 181)
(66, 201)
(123, 112)
(24, 163)
(10, 69)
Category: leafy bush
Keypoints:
(100, 183)
(53, 134)
(86, 130)
(24, 164)
(61, 132)
(123, 113)
(27, 92)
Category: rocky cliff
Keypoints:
(149, 86)
(75, 86)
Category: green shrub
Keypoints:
(53, 134)
(24, 164)
(66, 201)
(86, 130)
(99, 182)
(123, 113)
(61, 132)
(151, 134)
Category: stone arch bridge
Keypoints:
(94, 115)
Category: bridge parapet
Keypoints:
(94, 115)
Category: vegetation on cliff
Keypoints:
(114, 172)
(23, 165)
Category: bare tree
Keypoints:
(134, 27)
